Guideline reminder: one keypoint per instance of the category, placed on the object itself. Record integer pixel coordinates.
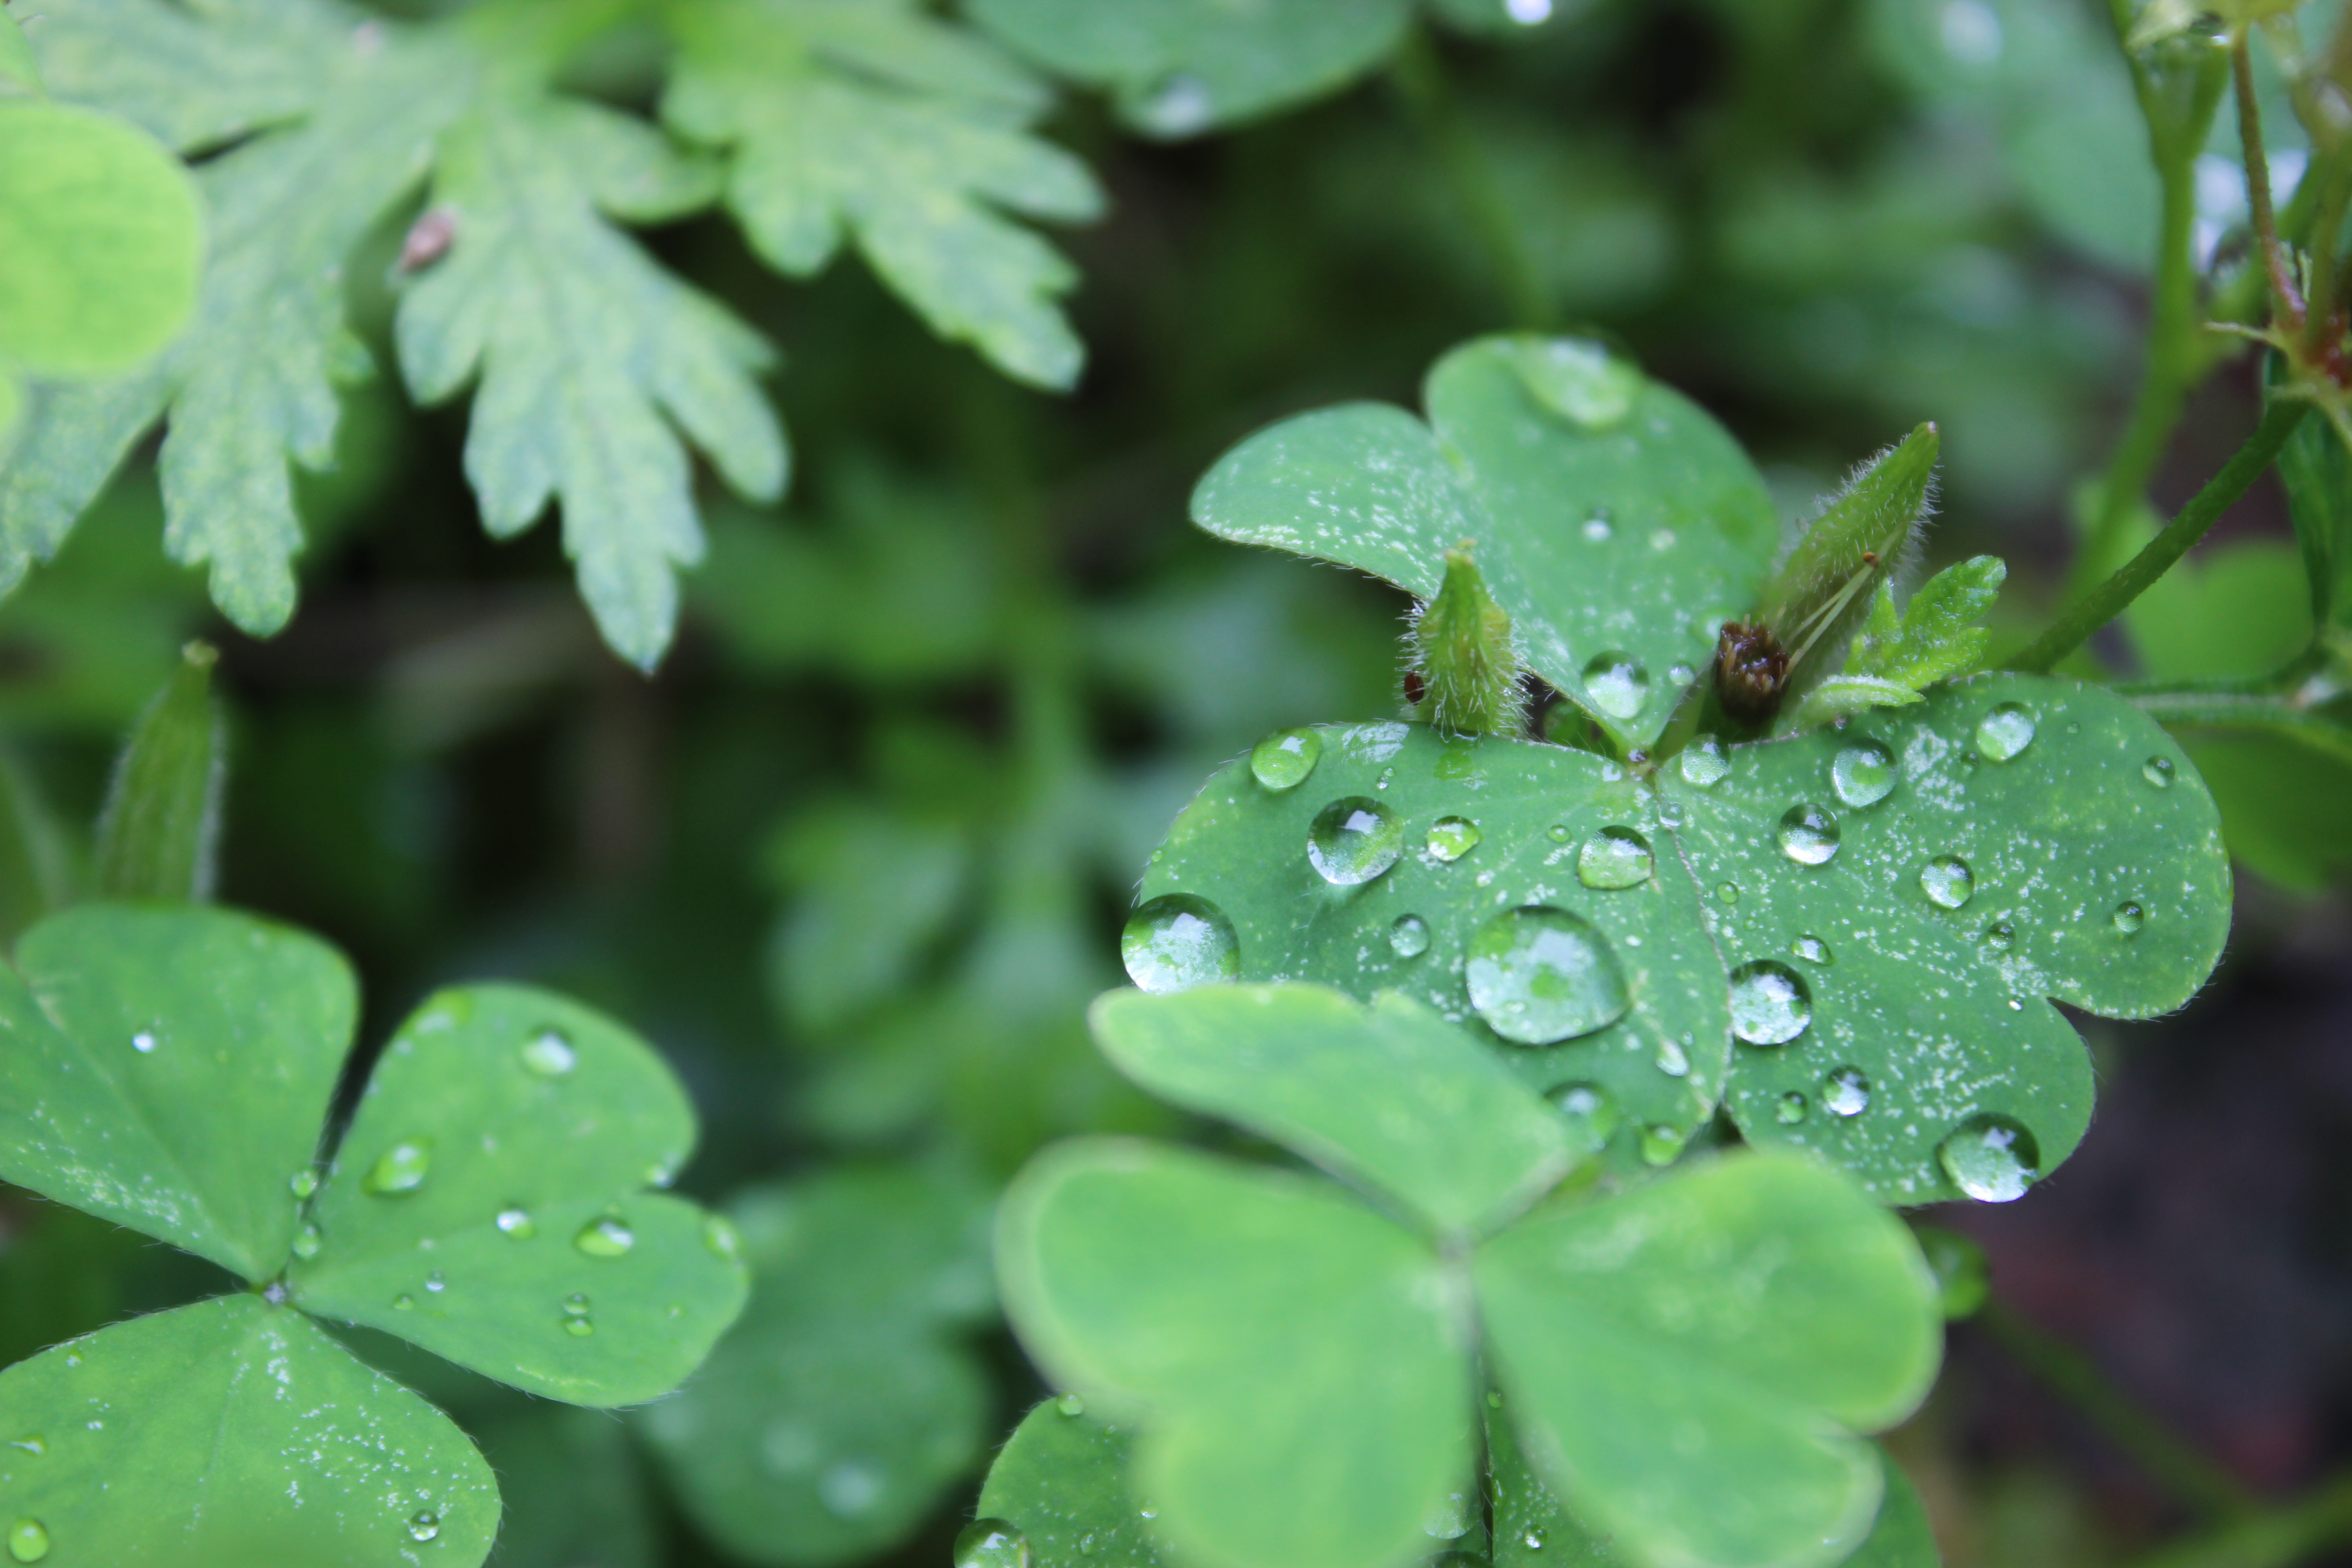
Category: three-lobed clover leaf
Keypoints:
(1685, 1360)
(1614, 519)
(171, 1070)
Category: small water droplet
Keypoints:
(1705, 763)
(606, 1238)
(423, 1525)
(1728, 893)
(1452, 838)
(1617, 683)
(1673, 1060)
(720, 1235)
(1597, 528)
(1353, 840)
(1449, 1520)
(1070, 1404)
(437, 1282)
(1178, 107)
(1681, 674)
(549, 1054)
(515, 1220)
(1809, 836)
(1283, 759)
(1537, 975)
(1845, 1091)
(1534, 1540)
(1589, 1109)
(1410, 936)
(1388, 777)
(1661, 1145)
(1559, 833)
(850, 1489)
(575, 1305)
(303, 1184)
(2004, 732)
(2157, 771)
(399, 1169)
(1862, 774)
(1614, 858)
(1947, 881)
(1790, 1109)
(30, 1444)
(404, 1303)
(306, 1242)
(143, 1042)
(2000, 936)
(2129, 916)
(1992, 1158)
(1670, 814)
(1814, 950)
(990, 1544)
(1770, 1004)
(28, 1540)
(579, 1326)
(1177, 941)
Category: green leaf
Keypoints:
(1657, 1043)
(2317, 472)
(487, 1203)
(1919, 884)
(1391, 1097)
(1896, 657)
(168, 1069)
(591, 358)
(877, 889)
(1241, 1307)
(1061, 1480)
(231, 1432)
(37, 872)
(1183, 67)
(158, 837)
(574, 1493)
(17, 69)
(1616, 521)
(906, 133)
(829, 1423)
(101, 238)
(1683, 1358)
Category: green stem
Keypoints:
(2286, 305)
(2110, 598)
(2266, 712)
(1421, 80)
(2277, 1538)
(2187, 1473)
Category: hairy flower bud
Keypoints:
(1463, 654)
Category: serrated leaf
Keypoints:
(876, 123)
(1061, 1480)
(1615, 520)
(488, 1203)
(1896, 655)
(1179, 67)
(2013, 839)
(145, 1081)
(1538, 815)
(231, 1432)
(1239, 1307)
(101, 238)
(1391, 1097)
(159, 834)
(1670, 1357)
(587, 350)
(828, 1423)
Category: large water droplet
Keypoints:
(1614, 858)
(1845, 1091)
(1283, 759)
(990, 1544)
(515, 1220)
(606, 1238)
(1770, 1003)
(1540, 974)
(308, 1242)
(1809, 836)
(1177, 941)
(1661, 1145)
(1410, 936)
(1452, 838)
(850, 1489)
(2129, 916)
(303, 1184)
(1790, 1109)
(1991, 1158)
(423, 1525)
(399, 1169)
(1353, 840)
(2004, 732)
(28, 1540)
(1947, 881)
(2157, 771)
(1578, 379)
(1705, 763)
(549, 1054)
(1862, 774)
(1448, 1519)
(1617, 683)
(1814, 950)
(1590, 1111)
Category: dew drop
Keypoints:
(1452, 838)
(720, 1235)
(1597, 528)
(575, 1305)
(1388, 777)
(423, 1525)
(28, 1540)
(606, 1238)
(1814, 950)
(1617, 683)
(304, 1184)
(1589, 1109)
(1729, 893)
(549, 1054)
(1070, 1404)
(142, 1042)
(1705, 764)
(1353, 840)
(1180, 106)
(1681, 674)
(1559, 833)
(1449, 1520)
(1809, 836)
(1410, 936)
(2129, 916)
(1539, 974)
(2004, 732)
(2000, 936)
(1845, 1091)
(1534, 1540)
(515, 1220)
(990, 1544)
(1673, 1060)
(306, 1242)
(1661, 1145)
(30, 1444)
(1862, 774)
(403, 1303)
(1947, 881)
(1614, 858)
(579, 1326)
(1177, 941)
(1991, 1158)
(2157, 771)
(399, 1169)
(1283, 759)
(850, 1489)
(1790, 1109)
(1770, 1004)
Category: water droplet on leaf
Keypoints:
(1617, 683)
(2157, 771)
(1449, 1520)
(304, 1184)
(720, 1235)
(399, 1169)
(1673, 1060)
(403, 1303)
(1589, 1109)
(1947, 881)
(2004, 732)
(1577, 378)
(29, 1444)
(423, 1525)
(1809, 836)
(1177, 941)
(1661, 1145)
(1539, 974)
(1283, 759)
(1597, 528)
(1410, 936)
(606, 1238)
(549, 1054)
(1614, 858)
(1845, 1091)
(437, 1282)
(1992, 1158)
(1070, 1404)
(2129, 916)
(515, 1220)
(1790, 1109)
(1705, 764)
(1814, 950)
(1770, 1003)
(306, 1242)
(28, 1540)
(1534, 1540)
(850, 1489)
(1452, 838)
(2000, 936)
(990, 1544)
(1353, 840)
(142, 1042)
(1862, 774)
(1177, 107)
(1729, 893)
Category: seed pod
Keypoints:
(1464, 655)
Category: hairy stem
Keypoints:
(2110, 598)
(2266, 712)
(1421, 80)
(2286, 303)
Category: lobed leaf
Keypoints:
(1062, 1481)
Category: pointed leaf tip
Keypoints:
(1464, 653)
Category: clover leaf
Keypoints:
(1615, 520)
(171, 1070)
(1683, 1359)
